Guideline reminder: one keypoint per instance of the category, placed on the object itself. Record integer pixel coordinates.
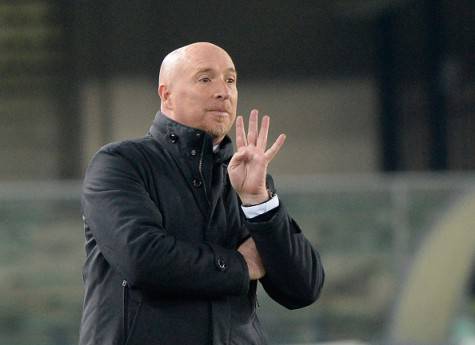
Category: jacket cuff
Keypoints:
(268, 221)
(232, 265)
(256, 210)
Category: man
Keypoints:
(179, 230)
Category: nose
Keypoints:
(222, 90)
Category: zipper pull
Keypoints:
(124, 283)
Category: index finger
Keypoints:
(240, 133)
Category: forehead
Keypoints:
(208, 58)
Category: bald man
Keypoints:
(179, 228)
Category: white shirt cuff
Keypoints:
(256, 210)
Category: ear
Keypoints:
(164, 94)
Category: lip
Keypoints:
(218, 110)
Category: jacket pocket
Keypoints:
(130, 310)
(125, 310)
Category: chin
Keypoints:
(218, 132)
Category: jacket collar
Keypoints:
(186, 140)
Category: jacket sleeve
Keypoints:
(128, 229)
(294, 272)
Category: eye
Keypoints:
(230, 80)
(204, 80)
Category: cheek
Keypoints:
(187, 101)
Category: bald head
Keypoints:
(173, 63)
(197, 87)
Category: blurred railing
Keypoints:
(367, 229)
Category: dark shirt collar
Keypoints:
(188, 140)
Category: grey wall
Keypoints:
(330, 124)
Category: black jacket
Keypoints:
(162, 226)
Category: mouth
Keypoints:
(219, 111)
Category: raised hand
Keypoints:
(248, 168)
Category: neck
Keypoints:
(217, 141)
(170, 114)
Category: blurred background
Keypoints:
(377, 98)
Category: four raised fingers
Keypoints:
(257, 137)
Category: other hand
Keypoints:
(253, 259)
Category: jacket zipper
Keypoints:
(200, 170)
(125, 308)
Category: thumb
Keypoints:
(239, 158)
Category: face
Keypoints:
(202, 93)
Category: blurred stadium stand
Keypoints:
(368, 229)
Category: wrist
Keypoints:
(255, 199)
